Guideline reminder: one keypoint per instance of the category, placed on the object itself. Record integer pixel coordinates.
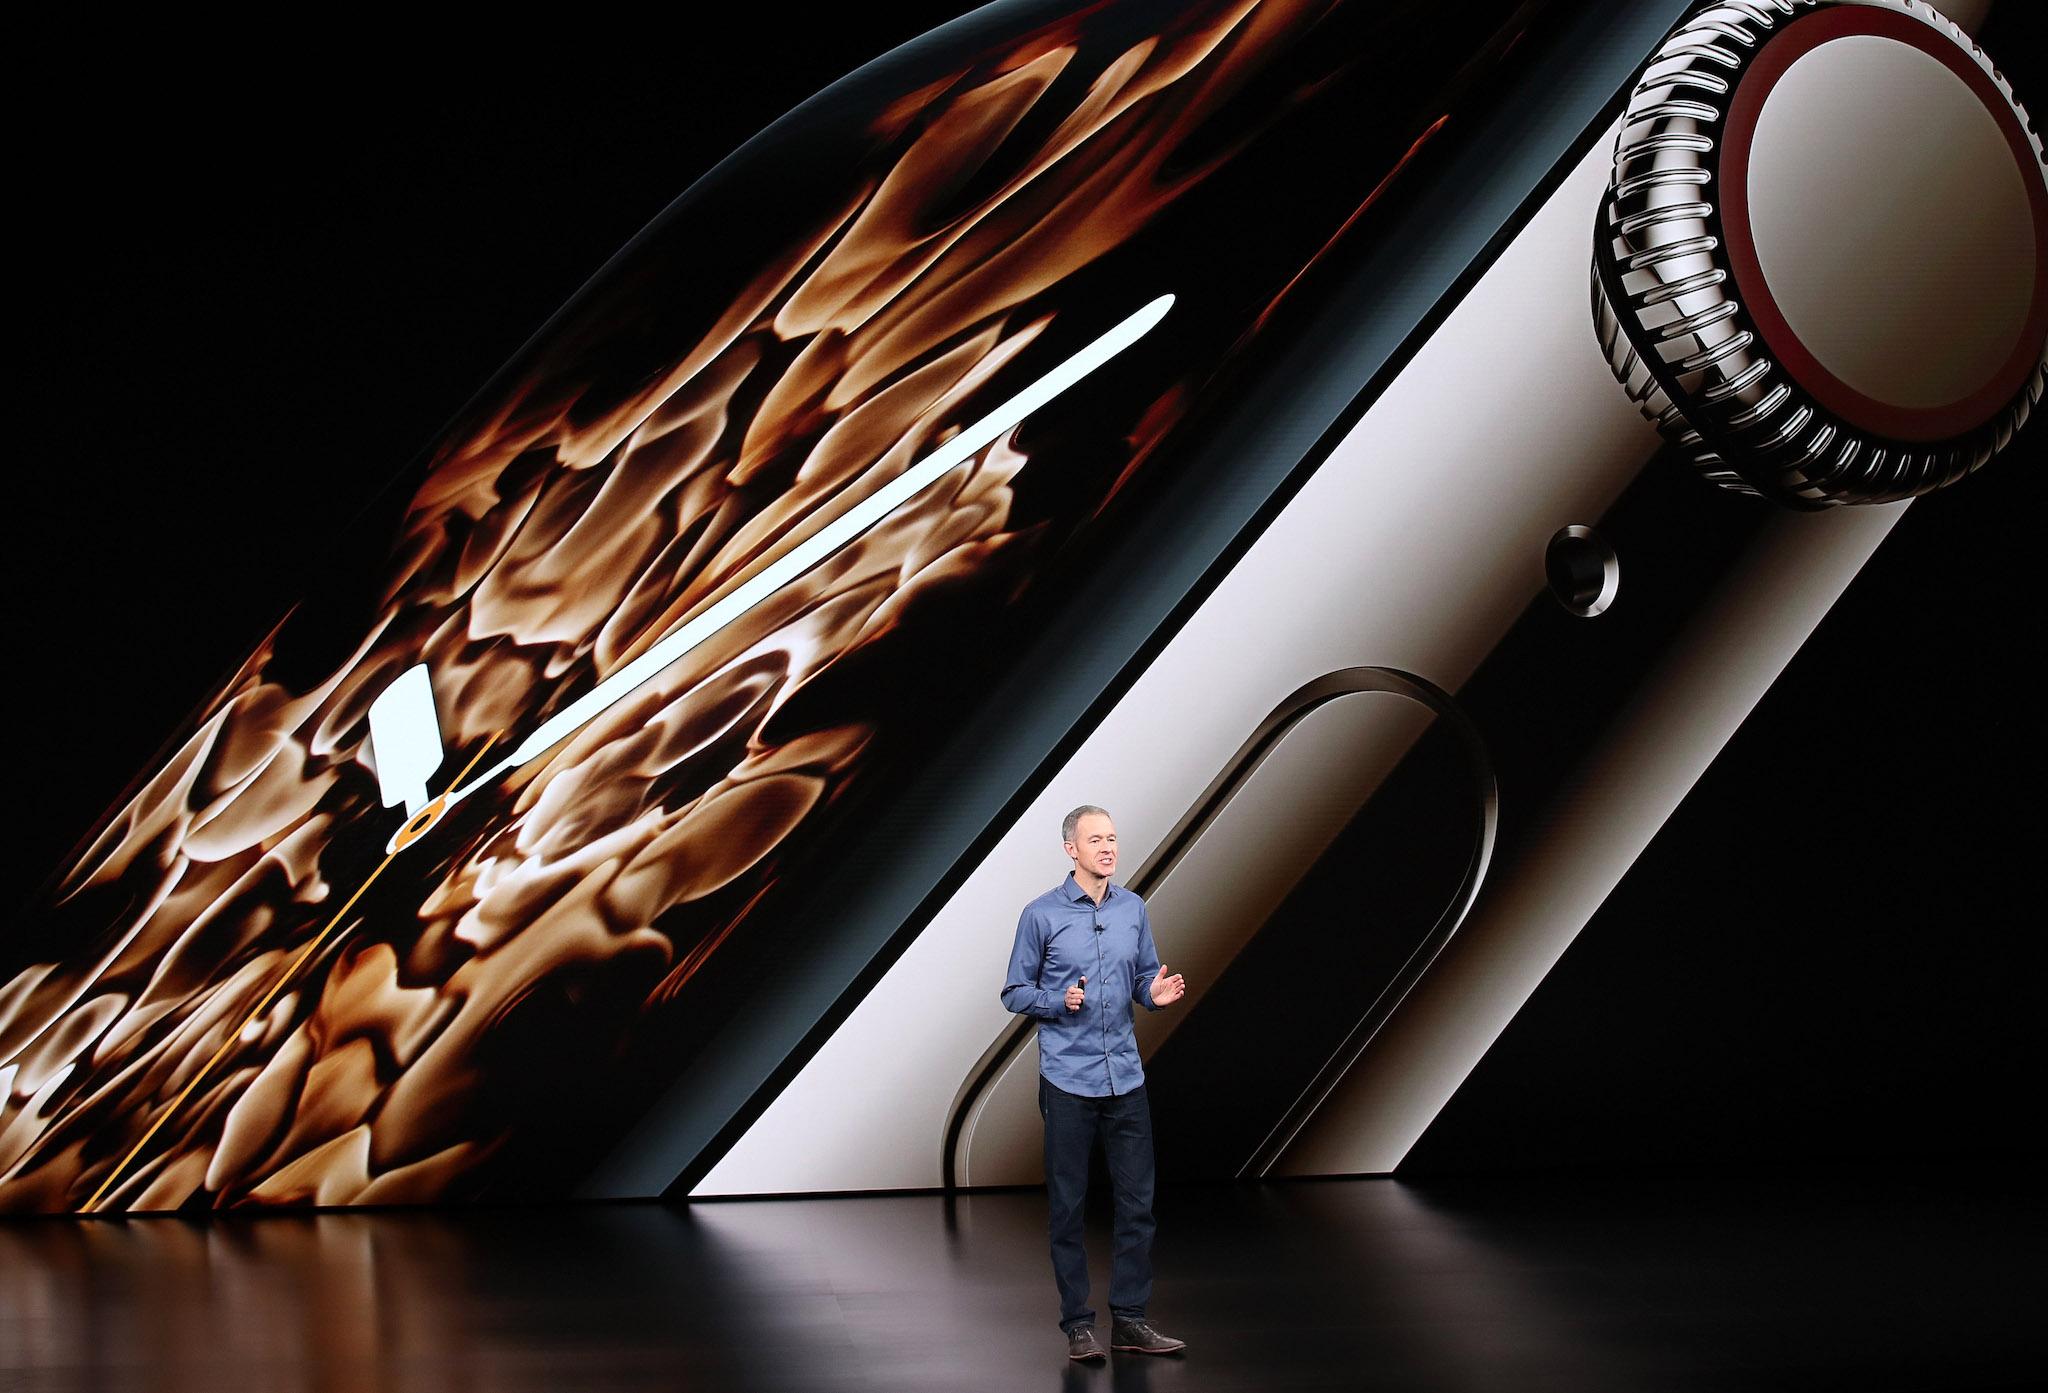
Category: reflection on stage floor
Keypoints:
(1583, 1284)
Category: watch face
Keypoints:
(280, 974)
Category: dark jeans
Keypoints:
(1071, 1125)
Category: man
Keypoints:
(1083, 954)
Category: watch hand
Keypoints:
(405, 737)
(806, 554)
(291, 970)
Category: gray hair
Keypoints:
(1073, 820)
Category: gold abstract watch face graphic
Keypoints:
(168, 1040)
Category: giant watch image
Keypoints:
(542, 855)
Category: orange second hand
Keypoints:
(275, 987)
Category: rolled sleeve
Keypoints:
(1021, 992)
(1148, 963)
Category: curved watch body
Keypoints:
(1032, 418)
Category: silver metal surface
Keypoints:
(1668, 311)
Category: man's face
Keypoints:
(1094, 845)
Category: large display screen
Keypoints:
(230, 998)
(1293, 426)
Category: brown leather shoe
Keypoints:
(1084, 1343)
(1140, 1337)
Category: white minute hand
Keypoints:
(806, 554)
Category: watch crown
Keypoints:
(1821, 266)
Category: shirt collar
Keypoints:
(1073, 891)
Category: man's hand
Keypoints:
(1167, 990)
(1075, 996)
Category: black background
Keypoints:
(251, 291)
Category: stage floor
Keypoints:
(1670, 1284)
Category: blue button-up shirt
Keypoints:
(1092, 1051)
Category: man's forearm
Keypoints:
(1027, 1000)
